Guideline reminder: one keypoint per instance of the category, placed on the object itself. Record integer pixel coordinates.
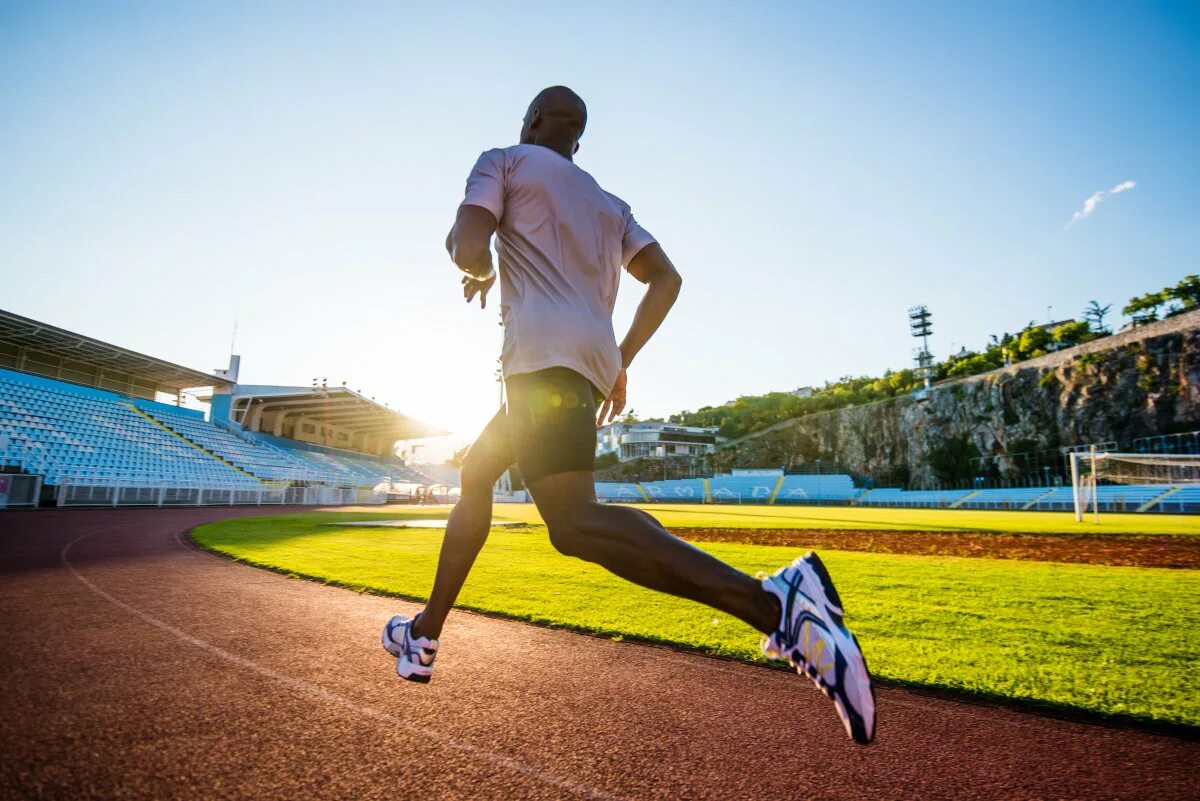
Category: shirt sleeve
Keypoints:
(486, 183)
(636, 238)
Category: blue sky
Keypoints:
(813, 170)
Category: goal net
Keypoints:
(1152, 473)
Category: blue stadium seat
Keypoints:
(81, 435)
(816, 487)
(729, 488)
(924, 499)
(618, 491)
(685, 490)
(257, 458)
(88, 436)
(348, 467)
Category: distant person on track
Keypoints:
(562, 241)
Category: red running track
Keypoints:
(137, 666)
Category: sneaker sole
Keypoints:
(418, 678)
(858, 735)
(831, 596)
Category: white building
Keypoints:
(654, 439)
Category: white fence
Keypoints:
(18, 491)
(130, 494)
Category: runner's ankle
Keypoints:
(420, 629)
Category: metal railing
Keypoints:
(19, 491)
(132, 493)
(1185, 443)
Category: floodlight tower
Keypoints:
(920, 324)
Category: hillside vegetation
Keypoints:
(751, 413)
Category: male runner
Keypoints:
(562, 241)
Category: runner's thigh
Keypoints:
(551, 422)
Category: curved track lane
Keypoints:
(137, 666)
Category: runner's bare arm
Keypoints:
(652, 267)
(469, 244)
(470, 241)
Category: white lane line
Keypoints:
(331, 697)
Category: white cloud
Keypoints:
(1093, 201)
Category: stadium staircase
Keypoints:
(260, 460)
(1033, 503)
(1150, 504)
(190, 442)
(962, 500)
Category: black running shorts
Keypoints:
(548, 424)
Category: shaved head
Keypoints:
(560, 103)
(555, 119)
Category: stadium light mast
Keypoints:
(920, 324)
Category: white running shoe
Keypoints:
(814, 640)
(414, 655)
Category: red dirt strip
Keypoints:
(137, 666)
(1129, 550)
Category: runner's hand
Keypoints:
(614, 404)
(473, 287)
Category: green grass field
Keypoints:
(1117, 641)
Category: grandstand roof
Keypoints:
(43, 349)
(337, 406)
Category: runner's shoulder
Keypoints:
(544, 162)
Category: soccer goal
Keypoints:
(1154, 474)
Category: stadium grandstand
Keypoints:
(85, 422)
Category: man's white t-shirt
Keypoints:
(562, 241)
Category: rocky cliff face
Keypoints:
(1010, 423)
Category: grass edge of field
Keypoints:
(1056, 710)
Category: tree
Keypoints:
(750, 413)
(1034, 341)
(606, 460)
(1144, 308)
(973, 364)
(1186, 293)
(1069, 334)
(1094, 314)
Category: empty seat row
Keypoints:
(259, 459)
(78, 435)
